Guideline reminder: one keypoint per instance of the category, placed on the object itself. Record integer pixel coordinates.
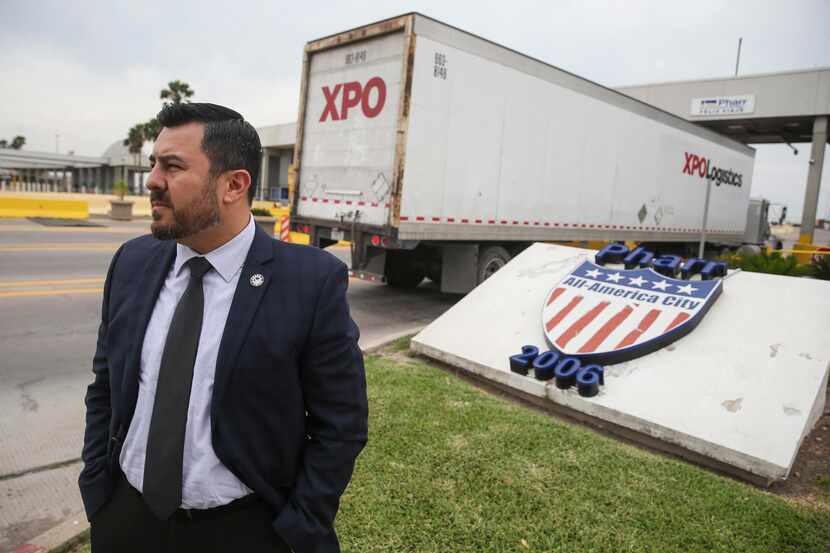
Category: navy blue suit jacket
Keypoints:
(288, 411)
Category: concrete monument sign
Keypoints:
(739, 389)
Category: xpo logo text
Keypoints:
(351, 95)
(696, 165)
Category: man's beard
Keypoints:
(202, 213)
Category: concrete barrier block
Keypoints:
(743, 389)
(17, 207)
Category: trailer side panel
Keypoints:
(495, 152)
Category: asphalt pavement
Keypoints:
(51, 279)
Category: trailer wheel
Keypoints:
(490, 260)
(401, 271)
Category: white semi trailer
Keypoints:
(440, 154)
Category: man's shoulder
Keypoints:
(144, 241)
(138, 250)
(141, 245)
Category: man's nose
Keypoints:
(155, 180)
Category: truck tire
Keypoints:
(490, 260)
(401, 272)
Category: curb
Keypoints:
(73, 530)
(58, 538)
(389, 338)
(108, 218)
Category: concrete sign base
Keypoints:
(739, 393)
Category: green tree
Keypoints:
(135, 140)
(177, 92)
(16, 144)
(152, 128)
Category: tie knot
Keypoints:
(198, 267)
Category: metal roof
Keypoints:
(785, 104)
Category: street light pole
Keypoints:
(738, 59)
(705, 219)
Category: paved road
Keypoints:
(50, 286)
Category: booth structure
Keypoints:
(277, 156)
(28, 171)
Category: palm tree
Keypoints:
(177, 91)
(152, 128)
(135, 140)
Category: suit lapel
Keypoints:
(146, 292)
(246, 300)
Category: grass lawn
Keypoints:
(450, 468)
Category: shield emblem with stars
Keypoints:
(605, 315)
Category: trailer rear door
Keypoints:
(348, 139)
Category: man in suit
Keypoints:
(229, 399)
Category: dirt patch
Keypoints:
(809, 481)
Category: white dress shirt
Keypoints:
(206, 482)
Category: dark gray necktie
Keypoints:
(162, 489)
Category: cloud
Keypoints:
(48, 94)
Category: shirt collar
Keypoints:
(227, 259)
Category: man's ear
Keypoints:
(238, 183)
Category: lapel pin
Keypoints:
(257, 280)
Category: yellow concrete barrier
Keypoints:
(98, 204)
(48, 208)
(804, 249)
(296, 237)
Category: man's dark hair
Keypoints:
(229, 142)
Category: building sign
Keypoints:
(626, 305)
(723, 105)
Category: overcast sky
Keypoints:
(88, 70)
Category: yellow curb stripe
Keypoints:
(138, 230)
(64, 292)
(81, 247)
(28, 283)
(53, 245)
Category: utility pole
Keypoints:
(738, 59)
(702, 247)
